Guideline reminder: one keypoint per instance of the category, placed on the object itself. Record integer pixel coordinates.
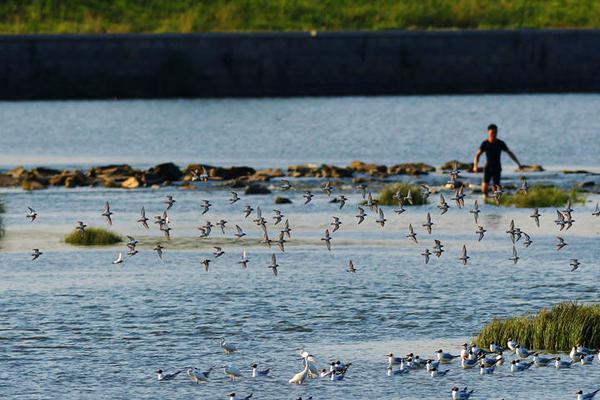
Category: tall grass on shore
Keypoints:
(184, 16)
(93, 237)
(540, 196)
(558, 329)
(386, 195)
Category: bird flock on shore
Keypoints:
(279, 232)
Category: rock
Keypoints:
(32, 184)
(219, 173)
(255, 188)
(166, 172)
(297, 171)
(131, 183)
(462, 166)
(587, 184)
(332, 171)
(112, 170)
(70, 179)
(530, 168)
(149, 179)
(410, 169)
(44, 172)
(7, 180)
(321, 171)
(369, 169)
(282, 200)
(18, 172)
(266, 174)
(574, 171)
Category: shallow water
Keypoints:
(74, 325)
(552, 130)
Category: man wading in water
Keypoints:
(492, 147)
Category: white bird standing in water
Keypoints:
(119, 259)
(301, 376)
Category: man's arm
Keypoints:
(476, 161)
(513, 157)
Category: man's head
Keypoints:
(492, 132)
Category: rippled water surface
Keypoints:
(75, 326)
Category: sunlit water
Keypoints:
(75, 326)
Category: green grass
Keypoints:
(118, 16)
(93, 237)
(539, 196)
(386, 195)
(558, 329)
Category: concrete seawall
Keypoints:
(298, 64)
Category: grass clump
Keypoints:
(94, 16)
(386, 195)
(539, 196)
(93, 237)
(558, 329)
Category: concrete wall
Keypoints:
(296, 64)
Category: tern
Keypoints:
(244, 261)
(481, 232)
(561, 243)
(277, 217)
(228, 348)
(463, 255)
(256, 372)
(475, 211)
(327, 239)
(335, 224)
(234, 198)
(539, 361)
(107, 213)
(206, 263)
(342, 200)
(159, 250)
(381, 219)
(483, 370)
(559, 364)
(169, 202)
(307, 196)
(512, 344)
(436, 374)
(587, 359)
(35, 254)
(458, 394)
(285, 185)
(411, 234)
(586, 396)
(351, 268)
(522, 352)
(574, 264)
(32, 214)
(515, 257)
(536, 216)
(516, 366)
(399, 371)
(119, 259)
(161, 376)
(428, 224)
(361, 215)
(495, 348)
(274, 264)
(443, 357)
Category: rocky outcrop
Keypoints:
(131, 183)
(282, 200)
(530, 168)
(255, 188)
(320, 171)
(168, 172)
(410, 169)
(369, 169)
(461, 166)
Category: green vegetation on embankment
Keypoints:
(558, 329)
(120, 16)
(540, 196)
(93, 237)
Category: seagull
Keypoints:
(206, 263)
(351, 267)
(426, 254)
(522, 352)
(228, 348)
(436, 374)
(512, 344)
(587, 359)
(561, 243)
(515, 257)
(495, 348)
(286, 229)
(166, 377)
(308, 196)
(159, 250)
(475, 211)
(32, 214)
(542, 361)
(244, 261)
(536, 216)
(198, 378)
(278, 216)
(342, 200)
(119, 259)
(256, 372)
(574, 264)
(36, 253)
(411, 233)
(327, 239)
(234, 198)
(463, 255)
(458, 394)
(443, 357)
(205, 205)
(274, 264)
(232, 373)
(107, 213)
(247, 211)
(301, 376)
(480, 231)
(443, 206)
(483, 370)
(559, 364)
(516, 366)
(399, 371)
(361, 215)
(218, 252)
(381, 220)
(285, 185)
(169, 202)
(586, 396)
(336, 224)
(81, 227)
(575, 355)
(428, 224)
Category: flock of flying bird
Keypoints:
(470, 357)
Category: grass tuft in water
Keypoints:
(386, 195)
(559, 329)
(539, 196)
(93, 237)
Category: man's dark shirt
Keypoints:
(492, 153)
